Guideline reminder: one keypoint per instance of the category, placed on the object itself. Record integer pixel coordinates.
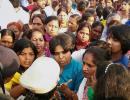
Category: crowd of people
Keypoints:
(64, 49)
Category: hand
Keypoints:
(56, 96)
(65, 90)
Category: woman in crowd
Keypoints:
(88, 17)
(73, 23)
(96, 31)
(7, 38)
(16, 28)
(71, 70)
(38, 22)
(36, 36)
(51, 28)
(119, 40)
(63, 19)
(91, 58)
(113, 82)
(112, 20)
(27, 53)
(83, 36)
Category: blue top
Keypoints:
(124, 60)
(72, 71)
(128, 23)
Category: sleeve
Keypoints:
(14, 80)
(78, 76)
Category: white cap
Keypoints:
(42, 76)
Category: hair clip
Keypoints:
(107, 67)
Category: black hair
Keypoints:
(24, 43)
(122, 34)
(85, 17)
(63, 40)
(114, 81)
(77, 17)
(50, 18)
(34, 96)
(91, 10)
(15, 3)
(98, 53)
(4, 32)
(82, 25)
(97, 23)
(82, 5)
(99, 11)
(5, 97)
(39, 16)
(111, 1)
(107, 11)
(62, 9)
(29, 33)
(42, 12)
(73, 40)
(127, 1)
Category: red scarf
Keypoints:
(80, 44)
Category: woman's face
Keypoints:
(72, 24)
(115, 45)
(30, 1)
(92, 3)
(26, 57)
(125, 7)
(41, 3)
(90, 20)
(7, 41)
(61, 56)
(83, 34)
(15, 30)
(103, 3)
(63, 18)
(89, 68)
(37, 24)
(52, 27)
(38, 40)
(96, 32)
(108, 3)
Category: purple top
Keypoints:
(47, 38)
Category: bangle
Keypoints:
(72, 94)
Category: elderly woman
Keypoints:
(16, 28)
(7, 38)
(71, 70)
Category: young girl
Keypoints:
(119, 40)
